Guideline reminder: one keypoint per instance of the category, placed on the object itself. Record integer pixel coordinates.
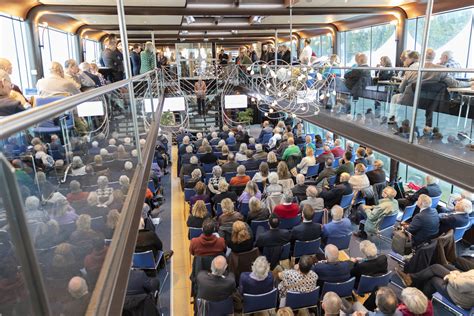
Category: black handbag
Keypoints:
(401, 242)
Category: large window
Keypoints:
(55, 46)
(375, 42)
(321, 45)
(448, 31)
(91, 50)
(13, 48)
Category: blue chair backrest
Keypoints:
(218, 209)
(230, 175)
(207, 178)
(448, 304)
(332, 180)
(335, 164)
(209, 208)
(368, 284)
(151, 186)
(208, 167)
(435, 201)
(346, 200)
(194, 232)
(260, 186)
(251, 173)
(244, 209)
(388, 221)
(459, 232)
(289, 223)
(285, 251)
(266, 138)
(343, 289)
(318, 152)
(408, 212)
(44, 101)
(256, 224)
(143, 260)
(310, 247)
(220, 308)
(312, 171)
(340, 242)
(297, 300)
(260, 302)
(186, 178)
(188, 193)
(318, 217)
(369, 168)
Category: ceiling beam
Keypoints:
(220, 27)
(201, 36)
(202, 11)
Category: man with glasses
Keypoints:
(8, 105)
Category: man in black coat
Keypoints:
(307, 230)
(273, 239)
(334, 196)
(250, 163)
(459, 218)
(431, 189)
(230, 165)
(208, 157)
(216, 285)
(372, 264)
(135, 58)
(378, 174)
(299, 190)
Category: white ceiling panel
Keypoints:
(306, 19)
(131, 19)
(144, 32)
(351, 3)
(145, 3)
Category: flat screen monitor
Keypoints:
(174, 104)
(90, 108)
(147, 103)
(236, 101)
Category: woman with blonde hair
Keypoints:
(111, 222)
(262, 174)
(84, 232)
(307, 161)
(359, 181)
(284, 177)
(198, 214)
(241, 240)
(272, 160)
(251, 190)
(147, 58)
(229, 215)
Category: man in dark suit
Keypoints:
(208, 157)
(334, 196)
(299, 190)
(230, 165)
(371, 264)
(135, 58)
(140, 283)
(332, 270)
(424, 225)
(185, 158)
(188, 168)
(345, 165)
(327, 172)
(273, 239)
(216, 285)
(250, 163)
(266, 129)
(378, 174)
(307, 230)
(459, 218)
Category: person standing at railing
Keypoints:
(305, 57)
(112, 58)
(200, 89)
(147, 57)
(135, 59)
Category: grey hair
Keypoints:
(214, 134)
(431, 180)
(273, 178)
(32, 203)
(196, 173)
(241, 170)
(287, 197)
(194, 160)
(103, 152)
(186, 140)
(77, 162)
(95, 144)
(258, 147)
(124, 180)
(425, 201)
(414, 300)
(312, 191)
(215, 270)
(74, 185)
(332, 303)
(221, 143)
(128, 165)
(134, 153)
(331, 253)
(464, 205)
(217, 171)
(368, 248)
(260, 268)
(300, 179)
(251, 140)
(337, 212)
(243, 147)
(102, 180)
(77, 287)
(189, 149)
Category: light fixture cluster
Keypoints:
(190, 19)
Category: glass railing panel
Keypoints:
(444, 117)
(74, 172)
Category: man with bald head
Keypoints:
(80, 297)
(218, 284)
(7, 66)
(55, 83)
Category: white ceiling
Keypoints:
(306, 19)
(143, 32)
(351, 3)
(145, 3)
(131, 19)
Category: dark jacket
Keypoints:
(249, 285)
(113, 59)
(9, 106)
(148, 240)
(453, 221)
(333, 271)
(140, 283)
(208, 158)
(273, 238)
(77, 307)
(251, 164)
(424, 226)
(194, 221)
(136, 63)
(228, 194)
(214, 288)
(229, 167)
(306, 231)
(299, 191)
(374, 266)
(286, 57)
(333, 196)
(432, 190)
(244, 246)
(357, 79)
(376, 176)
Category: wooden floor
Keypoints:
(181, 260)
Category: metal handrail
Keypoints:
(20, 121)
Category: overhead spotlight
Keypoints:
(221, 38)
(184, 32)
(256, 19)
(182, 39)
(217, 19)
(206, 39)
(190, 19)
(234, 32)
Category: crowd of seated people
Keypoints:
(72, 211)
(272, 205)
